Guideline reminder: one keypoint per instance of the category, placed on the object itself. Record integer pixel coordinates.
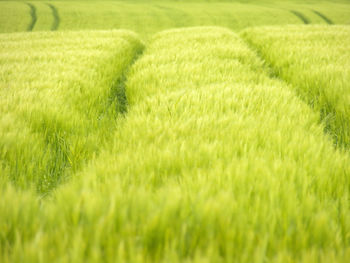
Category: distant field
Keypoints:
(147, 18)
(175, 131)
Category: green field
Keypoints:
(319, 68)
(147, 18)
(175, 131)
(52, 123)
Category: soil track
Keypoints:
(56, 17)
(301, 16)
(326, 19)
(33, 16)
(118, 91)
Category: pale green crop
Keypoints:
(316, 61)
(59, 100)
(215, 161)
(204, 145)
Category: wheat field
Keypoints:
(174, 131)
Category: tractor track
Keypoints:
(303, 18)
(56, 17)
(326, 19)
(33, 16)
(118, 91)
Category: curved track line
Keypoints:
(301, 17)
(33, 16)
(56, 17)
(326, 19)
(118, 92)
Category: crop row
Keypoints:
(316, 61)
(215, 161)
(58, 100)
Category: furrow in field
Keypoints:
(44, 17)
(33, 15)
(58, 105)
(214, 161)
(56, 17)
(315, 61)
(118, 90)
(301, 16)
(326, 19)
